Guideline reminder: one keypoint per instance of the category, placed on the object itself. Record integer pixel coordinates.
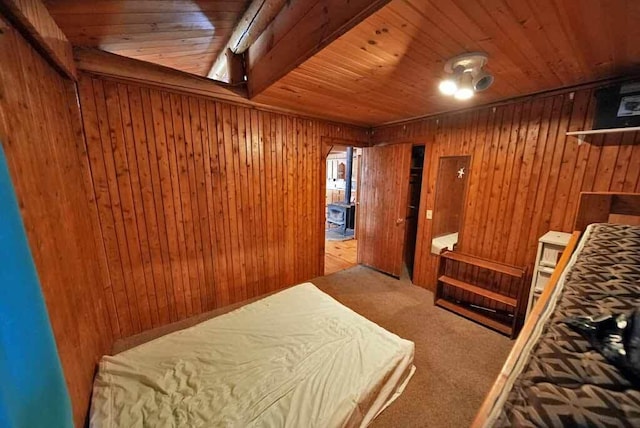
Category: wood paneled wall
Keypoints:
(201, 203)
(525, 176)
(42, 139)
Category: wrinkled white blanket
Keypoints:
(295, 359)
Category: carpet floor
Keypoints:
(456, 359)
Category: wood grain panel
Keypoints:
(189, 34)
(201, 203)
(42, 138)
(387, 67)
(381, 223)
(526, 174)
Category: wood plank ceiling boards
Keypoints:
(181, 34)
(387, 67)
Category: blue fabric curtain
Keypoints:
(33, 392)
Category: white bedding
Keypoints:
(295, 359)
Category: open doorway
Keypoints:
(342, 182)
(413, 205)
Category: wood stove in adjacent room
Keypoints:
(341, 215)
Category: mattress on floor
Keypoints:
(295, 359)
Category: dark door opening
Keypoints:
(413, 205)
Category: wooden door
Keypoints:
(383, 207)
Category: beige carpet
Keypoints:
(456, 359)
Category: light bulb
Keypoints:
(448, 86)
(465, 90)
(463, 94)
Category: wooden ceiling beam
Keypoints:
(258, 15)
(108, 64)
(34, 19)
(300, 30)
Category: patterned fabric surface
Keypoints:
(566, 382)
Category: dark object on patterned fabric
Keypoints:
(616, 337)
(563, 381)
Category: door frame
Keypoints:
(327, 144)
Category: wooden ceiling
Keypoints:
(387, 68)
(181, 34)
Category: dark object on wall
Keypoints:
(616, 337)
(618, 106)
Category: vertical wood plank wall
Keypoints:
(526, 174)
(42, 139)
(201, 203)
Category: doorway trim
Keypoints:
(327, 144)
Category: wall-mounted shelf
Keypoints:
(583, 134)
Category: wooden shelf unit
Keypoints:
(451, 261)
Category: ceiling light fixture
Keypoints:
(465, 76)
